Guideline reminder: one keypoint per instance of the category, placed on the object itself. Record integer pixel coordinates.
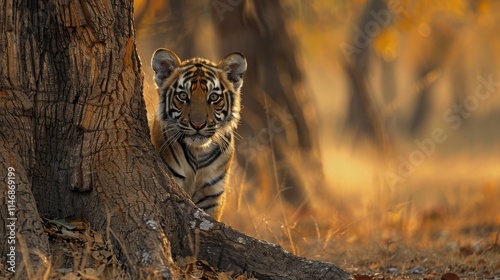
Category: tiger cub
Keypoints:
(198, 112)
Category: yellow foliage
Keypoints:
(387, 44)
(425, 11)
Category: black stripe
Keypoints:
(225, 114)
(228, 137)
(193, 86)
(211, 76)
(214, 181)
(209, 197)
(172, 108)
(230, 98)
(209, 154)
(189, 157)
(174, 155)
(189, 73)
(163, 103)
(175, 173)
(211, 157)
(175, 109)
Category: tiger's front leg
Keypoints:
(212, 181)
(211, 198)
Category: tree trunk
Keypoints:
(437, 49)
(278, 126)
(73, 129)
(364, 117)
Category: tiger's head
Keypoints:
(199, 100)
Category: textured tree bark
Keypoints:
(18, 205)
(73, 125)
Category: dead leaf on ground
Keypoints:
(449, 276)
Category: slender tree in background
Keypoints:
(279, 126)
(364, 115)
(437, 48)
(74, 133)
(168, 24)
(448, 48)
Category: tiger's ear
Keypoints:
(235, 66)
(164, 62)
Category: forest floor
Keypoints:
(442, 229)
(400, 243)
(435, 225)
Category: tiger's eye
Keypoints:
(213, 97)
(182, 96)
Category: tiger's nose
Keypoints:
(198, 125)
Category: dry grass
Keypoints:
(423, 228)
(385, 239)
